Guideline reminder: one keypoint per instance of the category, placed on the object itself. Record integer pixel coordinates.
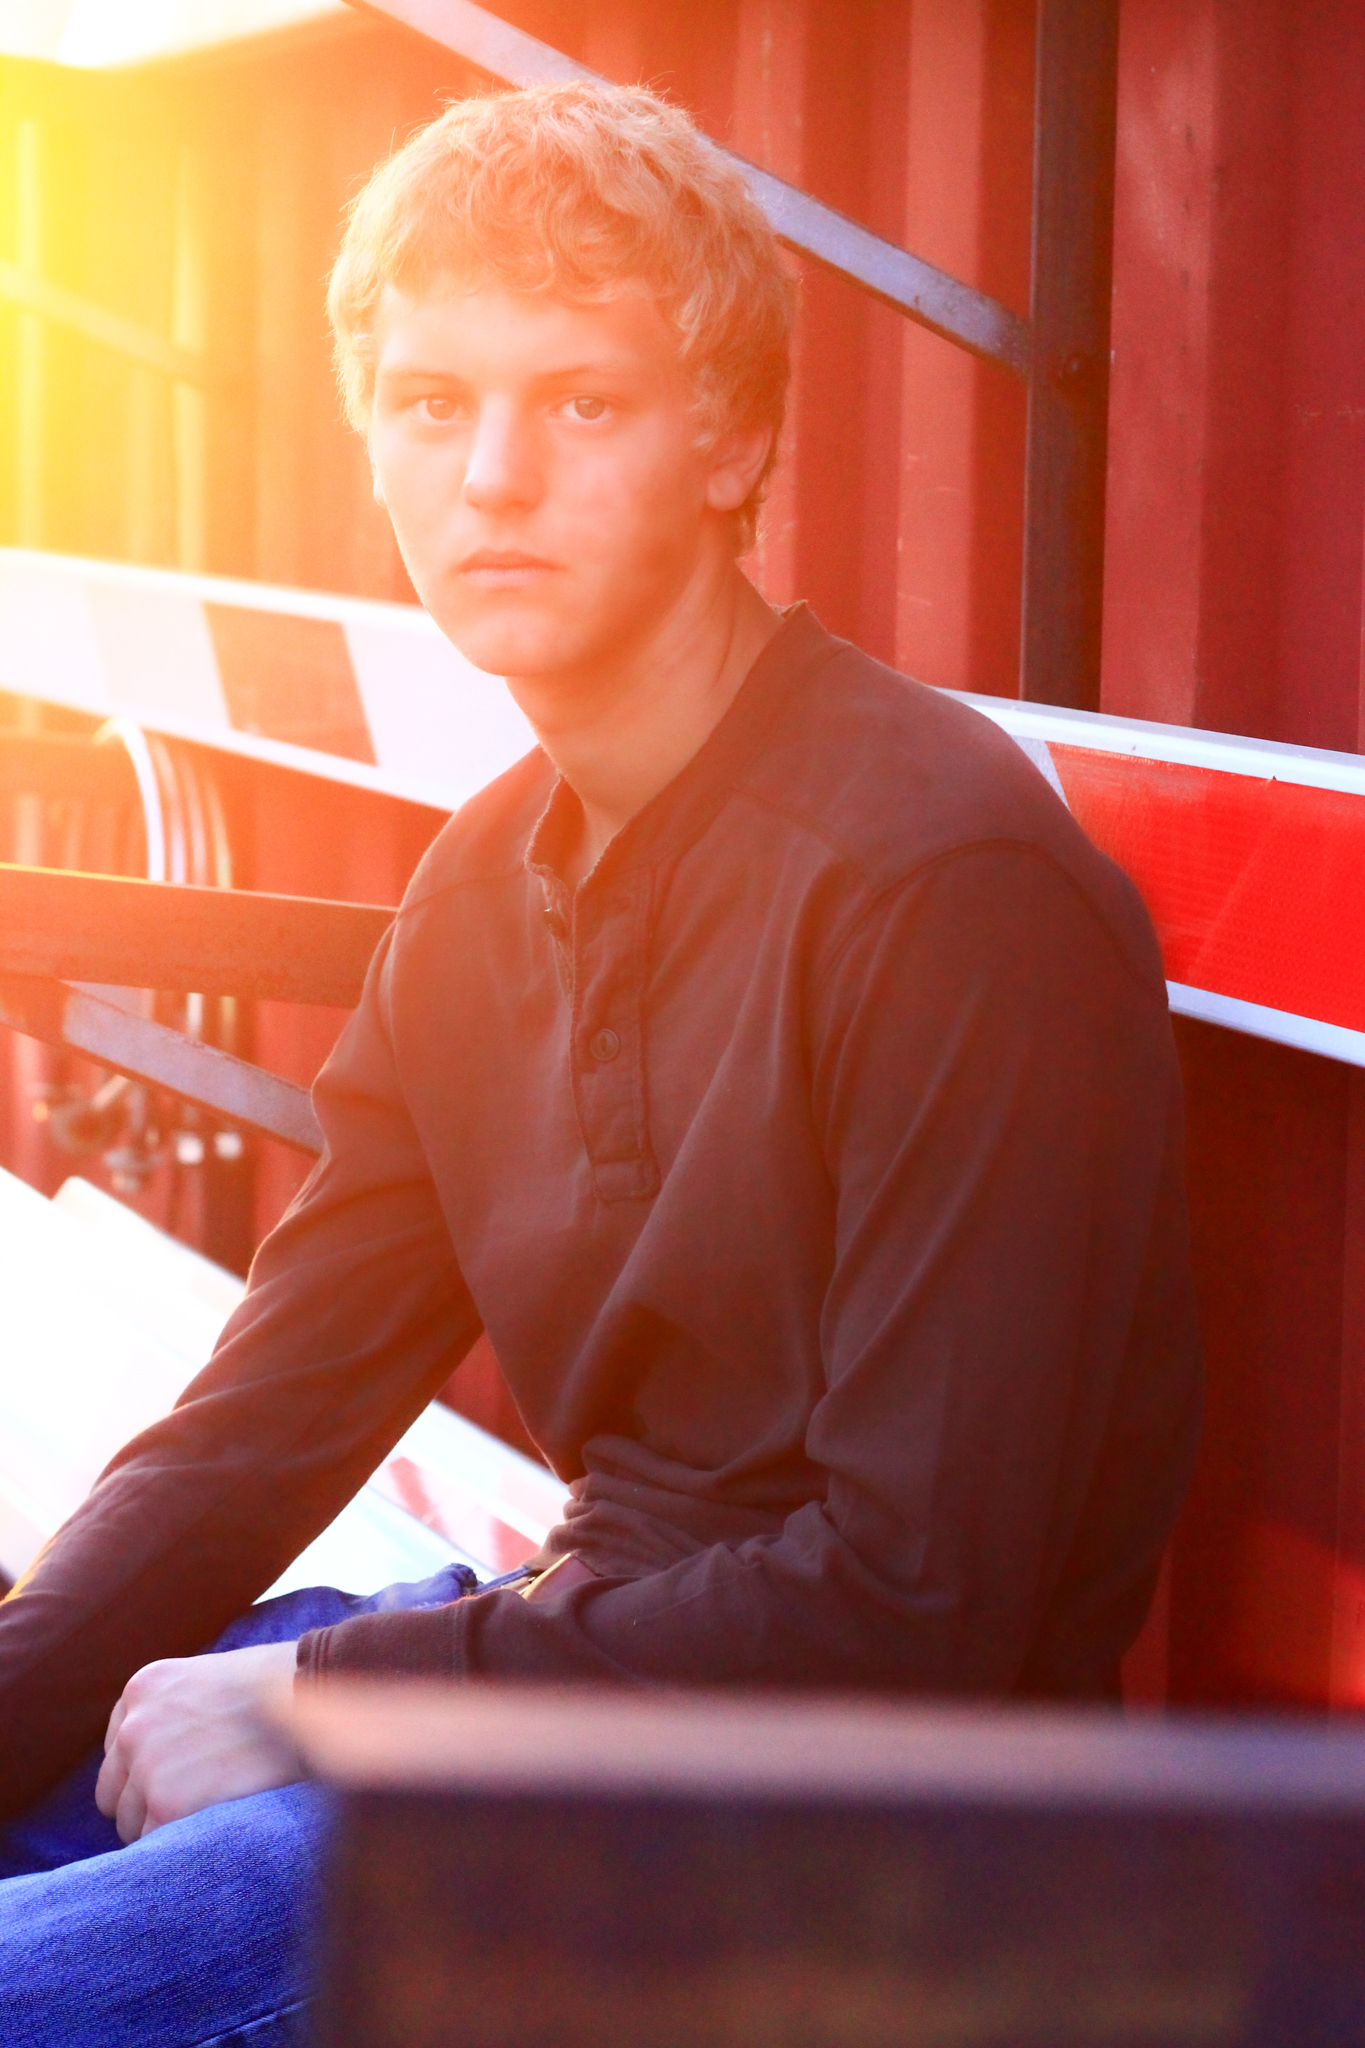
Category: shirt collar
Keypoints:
(681, 811)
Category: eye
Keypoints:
(586, 408)
(436, 406)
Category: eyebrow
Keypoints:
(414, 373)
(583, 373)
(571, 373)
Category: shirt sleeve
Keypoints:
(1011, 1366)
(355, 1315)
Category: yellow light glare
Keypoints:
(91, 33)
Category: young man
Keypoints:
(768, 1063)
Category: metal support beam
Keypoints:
(161, 935)
(85, 1020)
(1073, 229)
(20, 287)
(930, 297)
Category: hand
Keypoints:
(191, 1731)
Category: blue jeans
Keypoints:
(198, 1936)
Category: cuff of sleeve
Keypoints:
(493, 1634)
(408, 1643)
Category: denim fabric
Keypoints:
(198, 1935)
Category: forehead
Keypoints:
(494, 335)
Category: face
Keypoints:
(540, 464)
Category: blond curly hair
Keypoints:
(580, 192)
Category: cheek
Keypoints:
(644, 501)
(416, 480)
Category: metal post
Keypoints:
(1073, 230)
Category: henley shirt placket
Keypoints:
(601, 933)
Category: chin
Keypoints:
(506, 652)
(504, 640)
(510, 646)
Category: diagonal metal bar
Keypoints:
(931, 297)
(88, 1022)
(21, 288)
(163, 935)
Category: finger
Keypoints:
(116, 1721)
(131, 1814)
(110, 1783)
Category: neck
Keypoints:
(620, 731)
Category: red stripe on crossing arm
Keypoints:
(1250, 856)
(1256, 887)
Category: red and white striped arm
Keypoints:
(1250, 854)
(352, 690)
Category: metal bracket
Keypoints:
(69, 943)
(63, 1014)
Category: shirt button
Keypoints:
(604, 1044)
(554, 922)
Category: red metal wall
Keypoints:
(1233, 600)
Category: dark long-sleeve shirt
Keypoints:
(815, 1168)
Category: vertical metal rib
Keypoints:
(1073, 228)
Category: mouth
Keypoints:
(496, 568)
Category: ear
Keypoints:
(737, 459)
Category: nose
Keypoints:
(502, 472)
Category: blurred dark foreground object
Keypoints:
(546, 1868)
